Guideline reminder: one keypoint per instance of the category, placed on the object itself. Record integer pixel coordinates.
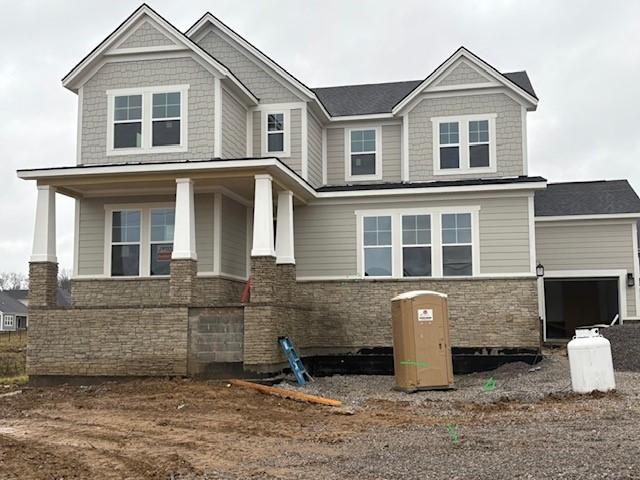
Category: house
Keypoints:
(13, 313)
(63, 299)
(201, 163)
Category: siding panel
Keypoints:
(234, 127)
(314, 151)
(234, 238)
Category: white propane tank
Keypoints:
(590, 362)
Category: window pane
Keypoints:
(464, 235)
(456, 260)
(128, 107)
(409, 237)
(384, 223)
(162, 224)
(377, 230)
(370, 238)
(479, 131)
(456, 228)
(125, 226)
(125, 260)
(377, 262)
(127, 135)
(161, 258)
(449, 157)
(448, 220)
(363, 141)
(479, 155)
(416, 261)
(275, 122)
(463, 220)
(363, 164)
(166, 105)
(166, 132)
(275, 142)
(449, 133)
(370, 224)
(448, 236)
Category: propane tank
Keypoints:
(590, 362)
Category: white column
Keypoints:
(263, 217)
(284, 228)
(44, 235)
(184, 238)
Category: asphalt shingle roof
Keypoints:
(600, 197)
(382, 97)
(11, 305)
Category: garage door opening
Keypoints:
(578, 302)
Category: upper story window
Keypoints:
(147, 120)
(465, 144)
(276, 129)
(363, 159)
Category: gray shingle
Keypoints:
(587, 198)
(382, 97)
(11, 305)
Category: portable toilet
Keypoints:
(421, 346)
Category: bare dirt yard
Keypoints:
(529, 426)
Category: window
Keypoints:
(465, 144)
(166, 119)
(416, 245)
(9, 321)
(147, 120)
(449, 145)
(479, 143)
(456, 244)
(377, 246)
(127, 117)
(275, 132)
(162, 226)
(125, 243)
(362, 153)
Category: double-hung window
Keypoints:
(162, 227)
(147, 120)
(276, 128)
(416, 245)
(457, 247)
(378, 261)
(465, 144)
(9, 321)
(125, 243)
(275, 132)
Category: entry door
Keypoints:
(432, 343)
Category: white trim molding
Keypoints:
(44, 233)
(146, 120)
(263, 217)
(636, 265)
(284, 229)
(348, 176)
(532, 235)
(604, 216)
(184, 242)
(217, 118)
(304, 143)
(464, 144)
(405, 148)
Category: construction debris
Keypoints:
(288, 394)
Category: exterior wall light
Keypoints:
(540, 270)
(630, 280)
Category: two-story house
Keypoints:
(202, 163)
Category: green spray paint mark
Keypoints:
(489, 385)
(453, 433)
(413, 362)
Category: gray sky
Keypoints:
(582, 58)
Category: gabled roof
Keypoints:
(382, 97)
(599, 197)
(144, 10)
(11, 305)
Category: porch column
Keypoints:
(263, 217)
(43, 266)
(284, 229)
(184, 264)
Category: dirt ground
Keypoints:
(182, 429)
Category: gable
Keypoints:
(462, 73)
(145, 35)
(261, 82)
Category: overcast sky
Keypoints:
(582, 57)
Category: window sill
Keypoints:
(362, 178)
(465, 171)
(144, 151)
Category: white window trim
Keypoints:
(436, 239)
(347, 153)
(9, 318)
(147, 110)
(286, 143)
(144, 267)
(463, 133)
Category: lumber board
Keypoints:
(289, 394)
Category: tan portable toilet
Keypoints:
(421, 345)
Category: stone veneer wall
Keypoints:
(43, 284)
(107, 341)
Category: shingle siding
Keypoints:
(146, 35)
(146, 73)
(234, 127)
(462, 74)
(314, 151)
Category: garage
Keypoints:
(575, 302)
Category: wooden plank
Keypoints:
(289, 394)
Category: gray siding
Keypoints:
(326, 245)
(257, 134)
(462, 74)
(587, 246)
(295, 160)
(263, 85)
(234, 127)
(147, 73)
(146, 35)
(508, 133)
(314, 151)
(203, 204)
(234, 238)
(391, 153)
